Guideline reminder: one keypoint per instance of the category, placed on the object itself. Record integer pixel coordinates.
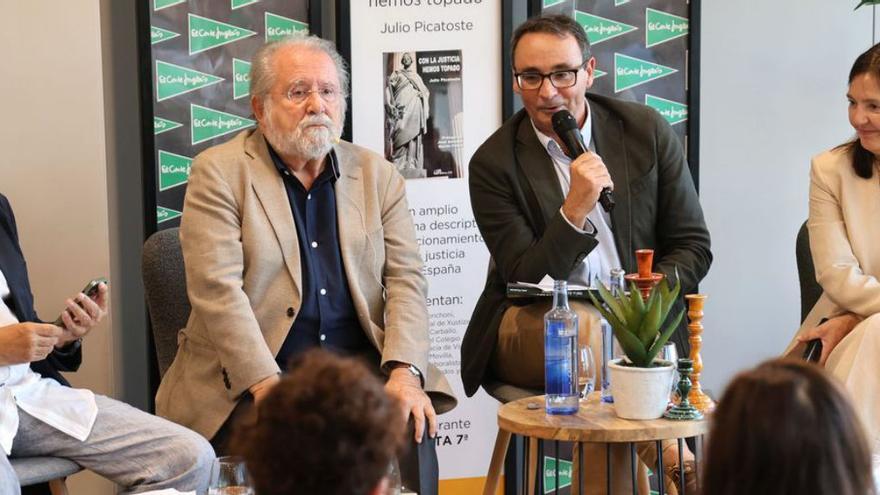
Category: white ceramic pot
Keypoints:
(640, 393)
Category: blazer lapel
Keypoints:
(537, 167)
(269, 187)
(610, 143)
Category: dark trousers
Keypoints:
(419, 470)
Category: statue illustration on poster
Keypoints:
(423, 112)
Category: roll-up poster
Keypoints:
(198, 72)
(426, 92)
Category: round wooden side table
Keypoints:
(595, 422)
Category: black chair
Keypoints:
(165, 289)
(810, 289)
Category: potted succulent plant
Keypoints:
(641, 383)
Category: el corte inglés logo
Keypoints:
(173, 169)
(550, 3)
(164, 214)
(208, 123)
(161, 125)
(550, 474)
(205, 33)
(630, 72)
(661, 27)
(279, 27)
(158, 35)
(241, 78)
(600, 29)
(673, 111)
(173, 80)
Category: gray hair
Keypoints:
(262, 76)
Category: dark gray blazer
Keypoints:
(516, 197)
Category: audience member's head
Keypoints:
(785, 427)
(327, 428)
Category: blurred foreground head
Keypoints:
(327, 428)
(786, 427)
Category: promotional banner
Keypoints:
(200, 53)
(642, 54)
(426, 92)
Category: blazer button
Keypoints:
(291, 312)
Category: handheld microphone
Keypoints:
(566, 127)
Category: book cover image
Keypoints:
(424, 113)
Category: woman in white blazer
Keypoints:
(844, 227)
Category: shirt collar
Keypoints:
(330, 173)
(554, 149)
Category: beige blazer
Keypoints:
(844, 228)
(243, 276)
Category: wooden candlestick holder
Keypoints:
(645, 279)
(695, 331)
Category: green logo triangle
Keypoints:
(618, 3)
(164, 214)
(550, 3)
(630, 72)
(241, 78)
(599, 73)
(278, 27)
(161, 125)
(207, 123)
(205, 33)
(600, 29)
(164, 4)
(237, 4)
(661, 27)
(550, 474)
(158, 35)
(673, 111)
(173, 80)
(173, 169)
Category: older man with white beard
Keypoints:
(293, 240)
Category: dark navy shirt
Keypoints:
(327, 317)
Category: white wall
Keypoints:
(53, 166)
(773, 94)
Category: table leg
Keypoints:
(681, 480)
(558, 462)
(608, 468)
(632, 462)
(531, 473)
(501, 442)
(661, 474)
(582, 469)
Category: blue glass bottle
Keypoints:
(560, 354)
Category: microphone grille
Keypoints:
(563, 121)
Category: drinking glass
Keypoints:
(670, 353)
(393, 475)
(229, 476)
(586, 371)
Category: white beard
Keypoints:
(312, 139)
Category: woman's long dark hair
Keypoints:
(862, 159)
(786, 428)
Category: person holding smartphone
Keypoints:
(41, 415)
(844, 234)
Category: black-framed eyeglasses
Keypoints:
(560, 79)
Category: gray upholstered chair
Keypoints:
(810, 289)
(165, 288)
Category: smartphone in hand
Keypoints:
(90, 290)
(814, 347)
